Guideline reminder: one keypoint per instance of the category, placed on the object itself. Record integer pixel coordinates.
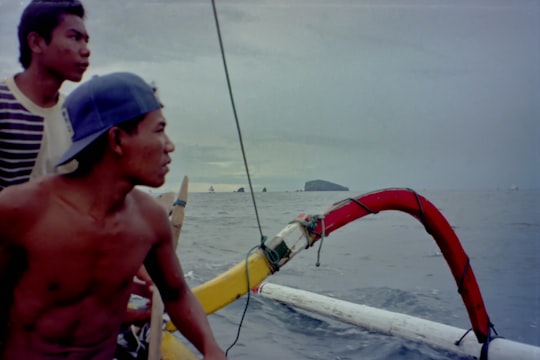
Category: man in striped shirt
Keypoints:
(53, 44)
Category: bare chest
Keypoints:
(71, 255)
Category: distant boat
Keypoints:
(211, 189)
(514, 187)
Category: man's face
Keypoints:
(146, 156)
(67, 54)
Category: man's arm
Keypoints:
(180, 303)
(190, 319)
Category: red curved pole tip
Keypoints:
(408, 201)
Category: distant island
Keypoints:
(323, 185)
(242, 189)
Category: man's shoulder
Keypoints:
(24, 199)
(149, 205)
(5, 91)
(36, 189)
(145, 199)
(11, 101)
(7, 83)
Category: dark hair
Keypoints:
(42, 17)
(94, 152)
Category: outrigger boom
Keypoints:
(407, 200)
(440, 336)
(306, 229)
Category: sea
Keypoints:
(386, 260)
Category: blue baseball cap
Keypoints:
(102, 102)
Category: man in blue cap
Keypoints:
(70, 244)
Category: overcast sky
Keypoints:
(432, 94)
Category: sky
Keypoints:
(425, 94)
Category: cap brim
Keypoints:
(78, 146)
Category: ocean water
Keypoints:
(385, 260)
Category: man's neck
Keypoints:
(42, 89)
(100, 193)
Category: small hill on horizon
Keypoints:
(323, 185)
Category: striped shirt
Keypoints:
(32, 138)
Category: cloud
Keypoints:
(363, 93)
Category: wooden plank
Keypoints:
(156, 320)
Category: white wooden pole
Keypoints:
(432, 333)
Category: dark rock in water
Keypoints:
(240, 190)
(322, 185)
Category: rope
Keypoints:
(247, 302)
(458, 342)
(309, 226)
(463, 275)
(236, 116)
(421, 211)
(180, 203)
(485, 347)
(312, 223)
(318, 263)
(363, 206)
(270, 254)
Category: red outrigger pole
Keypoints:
(407, 200)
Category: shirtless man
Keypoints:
(70, 244)
(53, 44)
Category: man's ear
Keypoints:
(35, 42)
(115, 139)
